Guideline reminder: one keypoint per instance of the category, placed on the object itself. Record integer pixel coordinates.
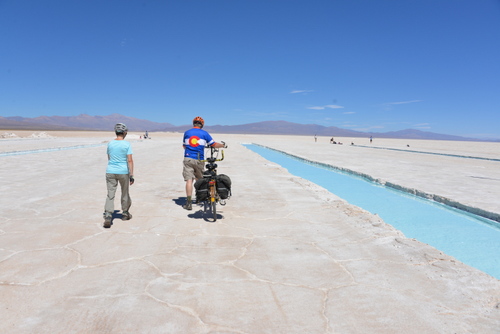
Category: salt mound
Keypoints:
(9, 135)
(40, 135)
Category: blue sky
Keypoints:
(366, 65)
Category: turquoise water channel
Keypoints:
(471, 239)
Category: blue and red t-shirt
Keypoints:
(194, 142)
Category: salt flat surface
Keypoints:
(285, 256)
(465, 148)
(23, 141)
(472, 182)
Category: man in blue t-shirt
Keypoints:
(194, 143)
(120, 170)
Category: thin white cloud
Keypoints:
(297, 91)
(349, 112)
(422, 126)
(403, 102)
(330, 106)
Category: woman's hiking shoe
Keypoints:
(107, 222)
(188, 206)
(126, 215)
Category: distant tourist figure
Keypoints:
(331, 141)
(315, 138)
(371, 139)
(120, 170)
(194, 142)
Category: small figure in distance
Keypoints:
(120, 170)
(315, 138)
(371, 138)
(331, 141)
(194, 142)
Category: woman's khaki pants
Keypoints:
(112, 181)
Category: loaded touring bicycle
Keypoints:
(213, 189)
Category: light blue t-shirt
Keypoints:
(117, 153)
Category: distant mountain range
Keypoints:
(89, 123)
(80, 122)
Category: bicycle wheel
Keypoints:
(213, 205)
(213, 201)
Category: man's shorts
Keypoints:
(193, 169)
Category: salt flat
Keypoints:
(458, 171)
(285, 256)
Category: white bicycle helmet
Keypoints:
(120, 128)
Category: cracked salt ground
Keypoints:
(286, 256)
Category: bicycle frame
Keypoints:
(211, 174)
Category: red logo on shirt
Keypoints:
(193, 141)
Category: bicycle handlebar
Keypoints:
(206, 160)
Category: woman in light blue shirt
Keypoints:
(120, 170)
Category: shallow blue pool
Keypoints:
(469, 238)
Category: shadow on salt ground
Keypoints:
(205, 213)
(180, 201)
(203, 210)
(116, 215)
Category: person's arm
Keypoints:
(219, 145)
(130, 162)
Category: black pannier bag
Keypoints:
(223, 186)
(201, 186)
